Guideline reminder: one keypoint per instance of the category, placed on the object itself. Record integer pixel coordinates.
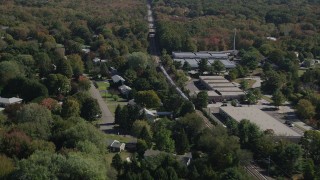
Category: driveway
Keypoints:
(107, 119)
(258, 80)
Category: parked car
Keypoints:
(289, 123)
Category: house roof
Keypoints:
(10, 100)
(117, 78)
(124, 89)
(150, 112)
(115, 143)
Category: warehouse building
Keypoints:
(260, 118)
(220, 89)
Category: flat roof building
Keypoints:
(258, 117)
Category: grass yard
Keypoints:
(121, 138)
(301, 72)
(267, 99)
(250, 81)
(112, 100)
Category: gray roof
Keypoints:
(117, 78)
(228, 89)
(10, 100)
(260, 118)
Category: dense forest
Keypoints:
(47, 53)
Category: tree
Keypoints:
(203, 66)
(44, 63)
(311, 142)
(76, 64)
(9, 70)
(35, 120)
(278, 98)
(16, 143)
(305, 109)
(138, 61)
(130, 76)
(90, 109)
(117, 163)
(141, 147)
(163, 140)
(244, 84)
(186, 66)
(117, 114)
(217, 67)
(148, 99)
(182, 142)
(6, 167)
(249, 134)
(70, 108)
(146, 136)
(160, 174)
(64, 68)
(172, 175)
(202, 100)
(187, 107)
(308, 170)
(58, 84)
(138, 126)
(84, 83)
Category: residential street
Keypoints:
(107, 119)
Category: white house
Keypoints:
(124, 89)
(116, 146)
(8, 101)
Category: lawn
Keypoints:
(250, 81)
(267, 99)
(112, 100)
(301, 72)
(121, 138)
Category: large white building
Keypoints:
(220, 89)
(260, 118)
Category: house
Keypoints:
(116, 146)
(124, 89)
(8, 101)
(153, 115)
(117, 78)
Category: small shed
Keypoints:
(124, 89)
(116, 146)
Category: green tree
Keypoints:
(249, 134)
(148, 99)
(44, 63)
(58, 84)
(163, 140)
(160, 174)
(182, 142)
(146, 136)
(35, 120)
(138, 126)
(187, 107)
(203, 66)
(138, 61)
(244, 84)
(172, 175)
(217, 67)
(202, 100)
(141, 147)
(278, 98)
(90, 109)
(64, 68)
(9, 70)
(305, 109)
(6, 167)
(76, 64)
(70, 108)
(117, 114)
(130, 76)
(308, 170)
(117, 163)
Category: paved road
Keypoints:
(107, 119)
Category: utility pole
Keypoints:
(268, 165)
(234, 39)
